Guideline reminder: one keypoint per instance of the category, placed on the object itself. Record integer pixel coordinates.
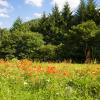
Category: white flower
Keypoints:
(57, 93)
(69, 88)
(25, 83)
(48, 80)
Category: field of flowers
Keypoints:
(27, 80)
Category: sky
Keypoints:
(10, 10)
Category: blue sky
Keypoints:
(30, 9)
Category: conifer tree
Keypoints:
(67, 16)
(42, 24)
(17, 25)
(81, 12)
(55, 16)
(91, 10)
(97, 16)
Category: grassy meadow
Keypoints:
(27, 80)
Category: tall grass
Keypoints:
(27, 80)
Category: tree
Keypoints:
(81, 40)
(48, 52)
(67, 17)
(56, 16)
(20, 45)
(90, 14)
(50, 27)
(33, 25)
(55, 35)
(81, 12)
(97, 45)
(7, 46)
(97, 16)
(43, 24)
(28, 45)
(2, 31)
(17, 25)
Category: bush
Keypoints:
(48, 52)
(20, 45)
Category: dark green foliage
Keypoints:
(62, 52)
(97, 45)
(20, 45)
(51, 27)
(33, 25)
(17, 24)
(81, 12)
(42, 24)
(55, 17)
(67, 17)
(91, 10)
(48, 52)
(97, 16)
(28, 45)
(54, 33)
(7, 46)
(87, 11)
(80, 38)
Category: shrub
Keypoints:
(48, 52)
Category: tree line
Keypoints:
(58, 36)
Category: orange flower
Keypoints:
(65, 73)
(51, 70)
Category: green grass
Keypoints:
(18, 82)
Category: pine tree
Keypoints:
(42, 24)
(17, 24)
(55, 17)
(81, 12)
(91, 10)
(97, 16)
(67, 16)
(55, 26)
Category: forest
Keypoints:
(57, 36)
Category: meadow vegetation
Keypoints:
(27, 80)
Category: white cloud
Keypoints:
(73, 3)
(34, 16)
(4, 15)
(27, 19)
(5, 8)
(37, 15)
(37, 3)
(4, 3)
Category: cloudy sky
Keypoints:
(30, 9)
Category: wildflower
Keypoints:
(25, 83)
(48, 80)
(57, 93)
(93, 72)
(51, 70)
(98, 69)
(65, 73)
(69, 88)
